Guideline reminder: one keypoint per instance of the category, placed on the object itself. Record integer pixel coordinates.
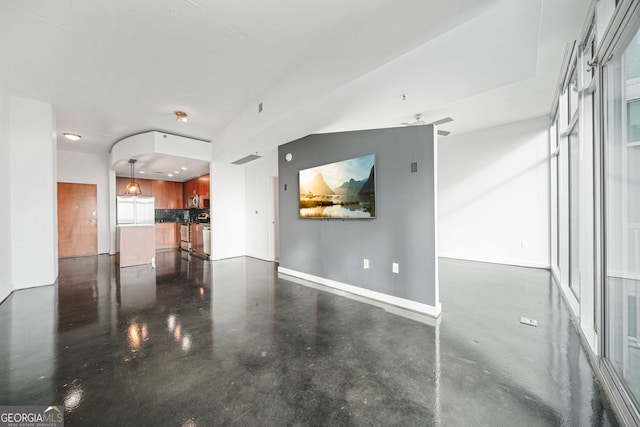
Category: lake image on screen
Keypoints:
(343, 189)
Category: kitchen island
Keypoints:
(135, 244)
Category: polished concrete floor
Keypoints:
(194, 343)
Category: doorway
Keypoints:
(276, 219)
(77, 219)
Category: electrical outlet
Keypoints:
(524, 244)
(395, 267)
(365, 264)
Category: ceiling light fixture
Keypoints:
(183, 168)
(72, 136)
(133, 188)
(181, 116)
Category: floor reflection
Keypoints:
(136, 287)
(77, 292)
(199, 343)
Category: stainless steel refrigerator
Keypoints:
(135, 210)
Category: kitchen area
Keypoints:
(168, 215)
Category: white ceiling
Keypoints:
(158, 166)
(116, 68)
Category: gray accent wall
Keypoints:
(404, 231)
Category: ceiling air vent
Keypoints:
(249, 158)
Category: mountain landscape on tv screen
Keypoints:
(339, 190)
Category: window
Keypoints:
(622, 212)
(555, 196)
(573, 92)
(574, 212)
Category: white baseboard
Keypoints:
(515, 263)
(402, 303)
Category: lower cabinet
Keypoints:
(167, 235)
(197, 242)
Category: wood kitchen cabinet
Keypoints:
(199, 186)
(168, 194)
(197, 242)
(175, 195)
(189, 189)
(167, 235)
(203, 186)
(159, 192)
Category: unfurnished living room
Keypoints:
(320, 213)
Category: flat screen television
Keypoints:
(345, 189)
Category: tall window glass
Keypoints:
(555, 209)
(622, 212)
(574, 212)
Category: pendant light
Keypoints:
(133, 188)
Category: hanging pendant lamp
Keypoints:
(133, 188)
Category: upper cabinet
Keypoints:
(199, 186)
(168, 194)
(189, 190)
(203, 186)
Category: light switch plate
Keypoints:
(365, 264)
(395, 267)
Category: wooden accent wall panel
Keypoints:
(77, 219)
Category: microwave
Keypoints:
(194, 201)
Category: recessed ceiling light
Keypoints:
(169, 174)
(72, 136)
(181, 116)
(141, 171)
(183, 168)
(176, 172)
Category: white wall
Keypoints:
(227, 211)
(260, 206)
(85, 168)
(493, 194)
(33, 193)
(35, 346)
(5, 190)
